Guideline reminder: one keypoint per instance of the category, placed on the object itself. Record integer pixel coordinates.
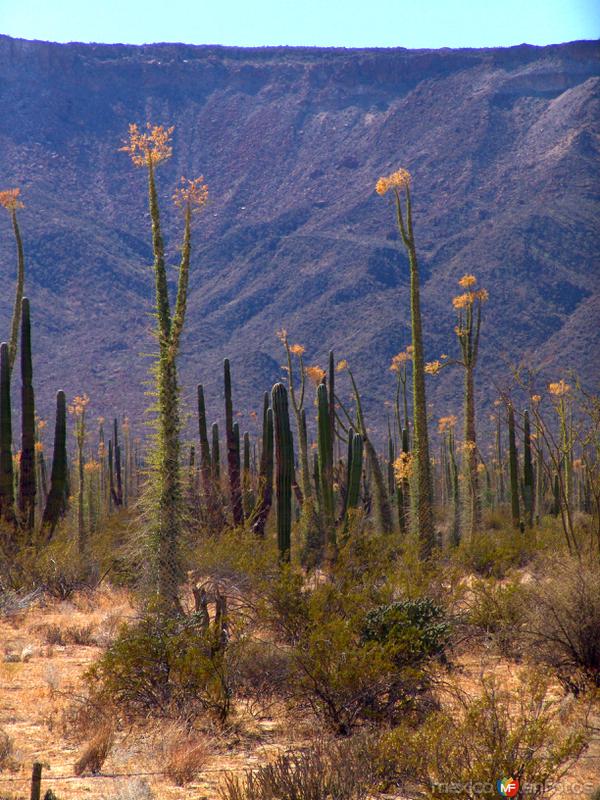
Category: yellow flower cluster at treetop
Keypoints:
(316, 374)
(397, 180)
(342, 365)
(9, 199)
(192, 193)
(297, 350)
(446, 423)
(402, 358)
(559, 389)
(79, 405)
(148, 148)
(433, 367)
(467, 281)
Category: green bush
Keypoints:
(494, 553)
(498, 610)
(163, 666)
(353, 656)
(414, 630)
(463, 748)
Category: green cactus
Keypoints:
(284, 449)
(118, 473)
(265, 479)
(325, 451)
(26, 494)
(355, 464)
(248, 495)
(7, 491)
(384, 511)
(233, 451)
(513, 466)
(528, 479)
(215, 463)
(205, 462)
(56, 504)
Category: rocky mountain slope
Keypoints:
(502, 145)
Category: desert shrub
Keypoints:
(337, 771)
(464, 747)
(498, 610)
(414, 629)
(6, 750)
(494, 553)
(563, 625)
(162, 666)
(95, 753)
(80, 634)
(185, 755)
(352, 655)
(262, 670)
(133, 789)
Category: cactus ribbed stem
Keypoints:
(513, 466)
(233, 451)
(284, 450)
(56, 503)
(265, 480)
(7, 496)
(528, 489)
(26, 495)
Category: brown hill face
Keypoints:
(502, 145)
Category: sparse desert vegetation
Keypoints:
(304, 610)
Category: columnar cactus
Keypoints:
(355, 464)
(528, 480)
(7, 492)
(284, 450)
(233, 451)
(513, 466)
(118, 472)
(215, 463)
(265, 478)
(26, 495)
(325, 450)
(247, 491)
(205, 462)
(56, 503)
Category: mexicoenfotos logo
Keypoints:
(507, 787)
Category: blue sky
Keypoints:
(348, 23)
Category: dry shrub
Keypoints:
(185, 755)
(6, 750)
(79, 634)
(337, 771)
(498, 611)
(564, 620)
(95, 753)
(472, 740)
(133, 789)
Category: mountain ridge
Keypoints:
(502, 144)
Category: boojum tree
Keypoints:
(399, 184)
(10, 200)
(468, 308)
(164, 496)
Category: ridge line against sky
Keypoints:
(320, 23)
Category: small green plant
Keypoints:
(471, 741)
(164, 667)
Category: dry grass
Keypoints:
(95, 753)
(185, 755)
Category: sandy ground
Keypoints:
(38, 680)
